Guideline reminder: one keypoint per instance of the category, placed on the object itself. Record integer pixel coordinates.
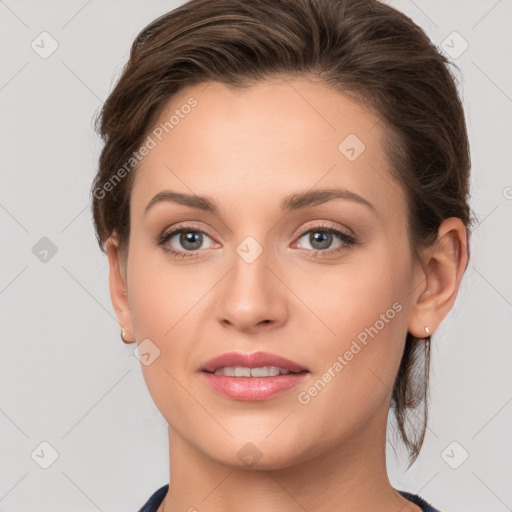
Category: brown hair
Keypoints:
(363, 48)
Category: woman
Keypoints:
(283, 200)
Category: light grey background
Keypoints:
(65, 376)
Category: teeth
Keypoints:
(242, 371)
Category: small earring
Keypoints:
(427, 330)
(123, 334)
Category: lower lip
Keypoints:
(253, 389)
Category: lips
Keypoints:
(254, 360)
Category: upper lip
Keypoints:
(254, 360)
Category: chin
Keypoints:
(258, 453)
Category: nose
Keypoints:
(253, 299)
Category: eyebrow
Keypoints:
(290, 203)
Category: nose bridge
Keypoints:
(253, 294)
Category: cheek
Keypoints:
(159, 302)
(160, 296)
(347, 299)
(167, 307)
(364, 324)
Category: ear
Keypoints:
(438, 278)
(118, 293)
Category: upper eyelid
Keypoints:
(327, 225)
(184, 227)
(322, 225)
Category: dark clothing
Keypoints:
(158, 496)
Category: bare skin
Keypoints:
(247, 150)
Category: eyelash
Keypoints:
(348, 240)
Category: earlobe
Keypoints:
(118, 293)
(438, 280)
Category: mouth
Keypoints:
(261, 371)
(252, 377)
(256, 364)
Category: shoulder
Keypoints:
(155, 500)
(417, 500)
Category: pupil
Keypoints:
(321, 237)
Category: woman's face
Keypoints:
(264, 273)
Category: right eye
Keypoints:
(188, 237)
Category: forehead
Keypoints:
(263, 142)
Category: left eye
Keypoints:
(321, 239)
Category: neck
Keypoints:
(349, 476)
